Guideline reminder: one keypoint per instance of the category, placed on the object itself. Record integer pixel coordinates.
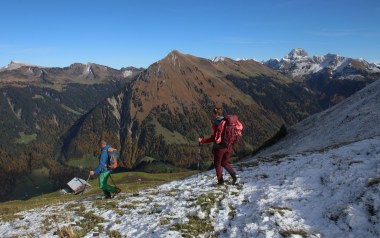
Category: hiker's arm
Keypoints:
(206, 140)
(102, 162)
(211, 138)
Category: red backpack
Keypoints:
(229, 130)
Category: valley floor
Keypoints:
(327, 193)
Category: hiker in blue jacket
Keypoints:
(103, 170)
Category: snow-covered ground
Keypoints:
(332, 193)
(322, 180)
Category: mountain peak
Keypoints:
(297, 53)
(15, 65)
(16, 62)
(175, 59)
(175, 53)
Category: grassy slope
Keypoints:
(129, 182)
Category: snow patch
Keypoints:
(218, 59)
(87, 70)
(115, 103)
(127, 73)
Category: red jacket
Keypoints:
(213, 136)
(217, 131)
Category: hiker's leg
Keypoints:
(218, 155)
(103, 177)
(101, 182)
(226, 162)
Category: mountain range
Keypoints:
(298, 63)
(52, 117)
(331, 77)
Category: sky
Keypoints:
(122, 33)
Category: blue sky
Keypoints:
(120, 33)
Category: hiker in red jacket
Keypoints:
(221, 151)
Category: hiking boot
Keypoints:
(221, 182)
(107, 195)
(234, 179)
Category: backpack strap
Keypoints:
(219, 122)
(105, 167)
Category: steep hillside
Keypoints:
(352, 120)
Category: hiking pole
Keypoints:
(200, 145)
(117, 189)
(113, 181)
(200, 155)
(199, 151)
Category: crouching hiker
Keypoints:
(104, 170)
(225, 131)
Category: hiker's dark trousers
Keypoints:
(222, 159)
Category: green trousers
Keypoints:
(103, 177)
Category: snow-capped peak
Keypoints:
(297, 53)
(298, 63)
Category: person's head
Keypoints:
(102, 143)
(217, 112)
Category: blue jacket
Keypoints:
(103, 159)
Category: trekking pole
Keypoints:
(117, 190)
(113, 181)
(200, 155)
(199, 150)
